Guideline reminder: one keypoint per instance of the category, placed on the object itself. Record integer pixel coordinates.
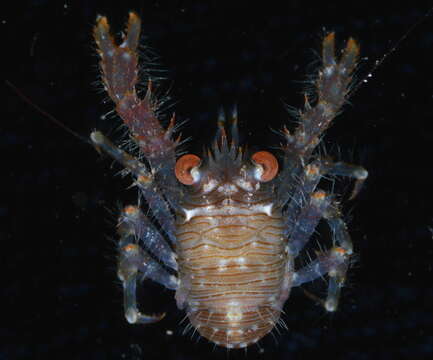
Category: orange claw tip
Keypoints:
(130, 210)
(312, 170)
(130, 248)
(268, 164)
(102, 28)
(133, 17)
(340, 250)
(102, 20)
(144, 180)
(329, 38)
(352, 46)
(318, 195)
(184, 169)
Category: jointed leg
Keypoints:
(332, 86)
(133, 263)
(307, 221)
(333, 262)
(308, 182)
(332, 89)
(144, 180)
(305, 186)
(119, 64)
(348, 170)
(134, 221)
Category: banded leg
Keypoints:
(134, 262)
(333, 262)
(300, 198)
(307, 221)
(138, 224)
(144, 180)
(310, 179)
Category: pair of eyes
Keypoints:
(266, 163)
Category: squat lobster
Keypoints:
(235, 221)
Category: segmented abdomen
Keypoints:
(232, 267)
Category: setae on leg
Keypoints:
(133, 262)
(333, 262)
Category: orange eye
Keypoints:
(184, 165)
(268, 163)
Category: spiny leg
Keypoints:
(332, 86)
(119, 64)
(333, 262)
(309, 180)
(332, 89)
(144, 180)
(307, 221)
(145, 231)
(133, 262)
(307, 183)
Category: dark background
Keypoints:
(59, 199)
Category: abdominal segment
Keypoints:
(232, 275)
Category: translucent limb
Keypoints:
(348, 170)
(133, 261)
(310, 179)
(145, 181)
(301, 197)
(132, 221)
(307, 221)
(334, 262)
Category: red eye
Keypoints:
(269, 165)
(183, 168)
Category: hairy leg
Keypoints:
(308, 182)
(144, 180)
(119, 65)
(133, 220)
(307, 221)
(348, 170)
(333, 262)
(332, 90)
(134, 263)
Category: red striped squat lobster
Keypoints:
(234, 221)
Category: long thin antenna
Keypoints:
(43, 112)
(396, 45)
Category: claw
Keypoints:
(135, 317)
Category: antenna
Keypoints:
(45, 113)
